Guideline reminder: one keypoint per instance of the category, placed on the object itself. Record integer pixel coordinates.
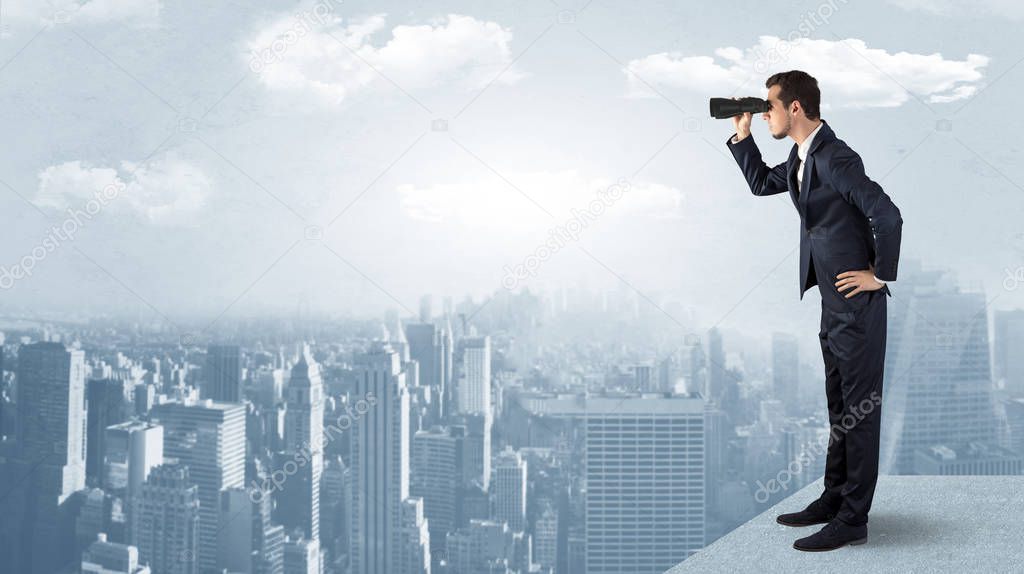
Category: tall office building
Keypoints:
(303, 438)
(380, 462)
(48, 462)
(476, 458)
(545, 538)
(223, 374)
(474, 393)
(209, 438)
(657, 441)
(938, 386)
(105, 400)
(448, 366)
(415, 539)
(1009, 340)
(424, 340)
(508, 489)
(786, 371)
(130, 450)
(436, 476)
(167, 524)
(643, 378)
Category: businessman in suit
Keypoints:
(849, 247)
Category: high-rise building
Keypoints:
(380, 462)
(1009, 361)
(415, 539)
(48, 462)
(476, 458)
(223, 374)
(474, 393)
(643, 377)
(938, 386)
(436, 476)
(209, 438)
(130, 450)
(508, 489)
(657, 441)
(427, 349)
(166, 528)
(105, 399)
(545, 538)
(303, 439)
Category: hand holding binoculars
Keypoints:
(722, 108)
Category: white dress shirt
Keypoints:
(801, 153)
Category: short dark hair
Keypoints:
(799, 86)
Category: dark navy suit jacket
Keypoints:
(846, 219)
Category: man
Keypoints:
(849, 247)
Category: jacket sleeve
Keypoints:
(761, 179)
(847, 172)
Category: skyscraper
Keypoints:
(938, 385)
(436, 472)
(474, 393)
(36, 523)
(644, 461)
(106, 405)
(380, 462)
(209, 438)
(426, 347)
(223, 374)
(1009, 361)
(303, 438)
(167, 525)
(508, 489)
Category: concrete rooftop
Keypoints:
(917, 524)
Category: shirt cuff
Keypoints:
(879, 280)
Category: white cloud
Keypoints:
(1013, 9)
(166, 190)
(496, 205)
(849, 73)
(140, 12)
(313, 53)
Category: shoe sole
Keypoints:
(799, 524)
(857, 542)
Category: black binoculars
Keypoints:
(722, 108)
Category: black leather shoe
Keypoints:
(816, 512)
(835, 534)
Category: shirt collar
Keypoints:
(801, 151)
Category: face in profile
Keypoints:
(778, 117)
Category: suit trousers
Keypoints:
(853, 346)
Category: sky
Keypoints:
(217, 159)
